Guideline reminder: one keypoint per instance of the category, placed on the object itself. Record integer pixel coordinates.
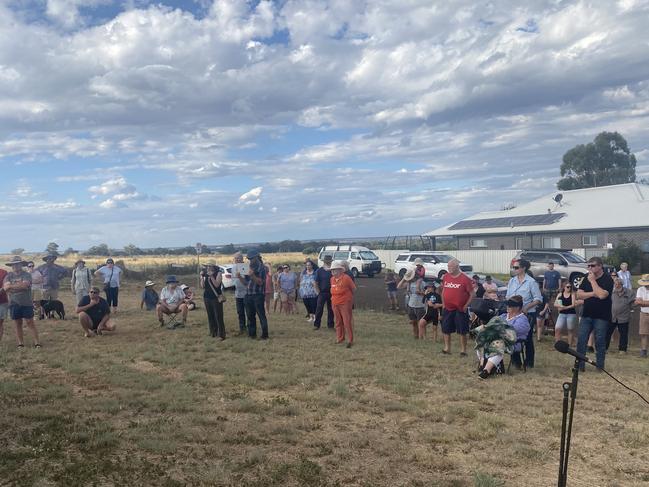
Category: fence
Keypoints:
(484, 261)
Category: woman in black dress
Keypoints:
(213, 297)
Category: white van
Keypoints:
(361, 260)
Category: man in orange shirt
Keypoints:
(342, 299)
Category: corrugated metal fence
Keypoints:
(484, 261)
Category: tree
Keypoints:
(17, 251)
(132, 249)
(625, 251)
(52, 248)
(101, 249)
(605, 161)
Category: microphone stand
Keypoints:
(569, 388)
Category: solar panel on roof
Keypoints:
(509, 221)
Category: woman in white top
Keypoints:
(625, 275)
(110, 273)
(37, 281)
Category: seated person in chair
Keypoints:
(189, 297)
(493, 340)
(172, 301)
(519, 322)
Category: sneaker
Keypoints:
(21, 346)
(643, 353)
(349, 345)
(446, 352)
(483, 375)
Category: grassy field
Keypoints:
(147, 406)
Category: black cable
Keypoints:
(625, 386)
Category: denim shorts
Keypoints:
(21, 312)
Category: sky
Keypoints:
(172, 122)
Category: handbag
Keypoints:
(107, 285)
(219, 296)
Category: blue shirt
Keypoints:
(551, 279)
(528, 290)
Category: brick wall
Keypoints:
(568, 240)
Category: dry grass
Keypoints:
(154, 407)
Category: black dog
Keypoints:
(50, 307)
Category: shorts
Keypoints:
(287, 297)
(392, 295)
(550, 295)
(566, 320)
(19, 312)
(644, 323)
(4, 308)
(431, 316)
(415, 314)
(455, 321)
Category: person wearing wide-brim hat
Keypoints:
(18, 286)
(172, 300)
(642, 300)
(150, 297)
(52, 274)
(420, 270)
(81, 281)
(342, 300)
(415, 305)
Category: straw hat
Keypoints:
(419, 261)
(16, 260)
(149, 284)
(644, 280)
(337, 265)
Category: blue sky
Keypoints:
(170, 122)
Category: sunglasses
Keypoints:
(94, 292)
(515, 267)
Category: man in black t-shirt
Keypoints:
(322, 286)
(595, 289)
(94, 314)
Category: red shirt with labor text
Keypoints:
(456, 291)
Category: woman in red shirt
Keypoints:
(342, 299)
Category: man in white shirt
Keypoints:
(172, 300)
(642, 300)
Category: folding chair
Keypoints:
(172, 320)
(521, 342)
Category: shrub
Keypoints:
(626, 251)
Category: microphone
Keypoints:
(563, 347)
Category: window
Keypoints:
(402, 257)
(477, 242)
(589, 240)
(341, 255)
(368, 255)
(551, 243)
(354, 256)
(519, 243)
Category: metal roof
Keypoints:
(605, 207)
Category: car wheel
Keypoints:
(354, 272)
(402, 273)
(576, 279)
(441, 274)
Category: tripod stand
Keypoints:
(569, 389)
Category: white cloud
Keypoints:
(250, 198)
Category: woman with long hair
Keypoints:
(567, 320)
(213, 297)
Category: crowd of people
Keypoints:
(604, 302)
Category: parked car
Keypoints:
(435, 263)
(361, 260)
(571, 266)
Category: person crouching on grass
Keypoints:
(172, 300)
(342, 300)
(433, 303)
(94, 314)
(416, 308)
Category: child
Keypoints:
(391, 288)
(433, 302)
(543, 311)
(189, 297)
(342, 299)
(276, 299)
(150, 296)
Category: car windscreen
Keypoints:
(444, 258)
(573, 258)
(368, 255)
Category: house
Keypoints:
(597, 218)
